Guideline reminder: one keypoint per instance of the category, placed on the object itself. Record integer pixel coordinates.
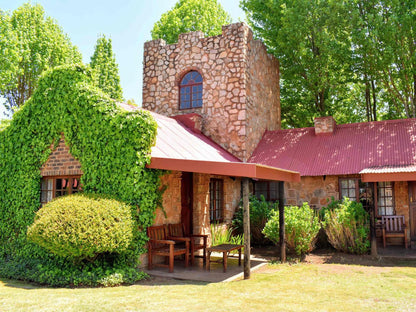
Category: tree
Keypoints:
(103, 63)
(311, 40)
(30, 43)
(353, 59)
(207, 16)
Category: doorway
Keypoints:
(186, 201)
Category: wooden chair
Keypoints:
(197, 241)
(393, 226)
(160, 244)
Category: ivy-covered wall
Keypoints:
(113, 147)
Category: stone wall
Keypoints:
(171, 199)
(317, 190)
(240, 84)
(401, 203)
(61, 162)
(263, 93)
(314, 190)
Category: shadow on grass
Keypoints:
(392, 256)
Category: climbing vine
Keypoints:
(113, 147)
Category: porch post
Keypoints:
(246, 222)
(373, 232)
(282, 221)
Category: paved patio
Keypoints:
(198, 272)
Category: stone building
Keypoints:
(216, 102)
(227, 88)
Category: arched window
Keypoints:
(190, 90)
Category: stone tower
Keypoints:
(241, 96)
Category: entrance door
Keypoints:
(412, 209)
(186, 199)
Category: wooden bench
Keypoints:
(161, 244)
(393, 226)
(198, 241)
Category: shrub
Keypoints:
(347, 226)
(113, 147)
(260, 211)
(301, 228)
(223, 234)
(83, 227)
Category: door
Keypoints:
(412, 209)
(186, 201)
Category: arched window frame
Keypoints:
(191, 90)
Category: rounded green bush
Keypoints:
(83, 226)
(301, 228)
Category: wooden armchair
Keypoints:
(160, 244)
(197, 241)
(393, 226)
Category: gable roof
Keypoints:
(351, 149)
(182, 149)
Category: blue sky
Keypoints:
(127, 22)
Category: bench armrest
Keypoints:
(199, 235)
(162, 241)
(180, 239)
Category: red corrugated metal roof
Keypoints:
(179, 148)
(349, 150)
(176, 141)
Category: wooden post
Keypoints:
(282, 221)
(373, 232)
(246, 222)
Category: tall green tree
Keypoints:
(103, 63)
(397, 49)
(30, 43)
(311, 40)
(207, 16)
(353, 59)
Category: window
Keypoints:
(190, 91)
(216, 200)
(348, 188)
(60, 186)
(364, 192)
(385, 201)
(269, 189)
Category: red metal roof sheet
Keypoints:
(179, 148)
(349, 150)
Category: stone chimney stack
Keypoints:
(324, 125)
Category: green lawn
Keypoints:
(298, 287)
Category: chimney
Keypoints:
(324, 125)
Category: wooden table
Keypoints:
(225, 249)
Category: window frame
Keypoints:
(215, 183)
(191, 86)
(54, 188)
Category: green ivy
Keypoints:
(113, 147)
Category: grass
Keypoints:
(281, 287)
